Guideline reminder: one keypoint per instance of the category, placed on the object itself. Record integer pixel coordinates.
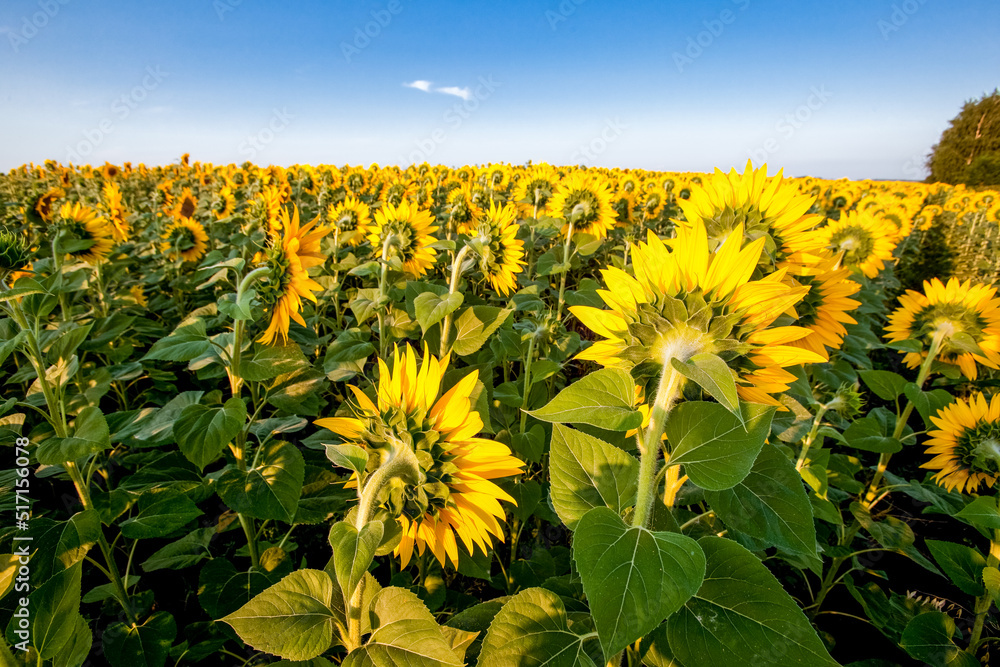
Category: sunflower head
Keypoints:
(965, 317)
(535, 189)
(186, 205)
(352, 217)
(184, 239)
(14, 252)
(85, 225)
(452, 498)
(584, 200)
(966, 446)
(46, 203)
(864, 242)
(409, 230)
(501, 254)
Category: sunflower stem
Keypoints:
(456, 274)
(807, 443)
(527, 381)
(565, 267)
(383, 279)
(925, 370)
(666, 394)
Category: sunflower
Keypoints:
(352, 217)
(623, 203)
(456, 499)
(184, 238)
(411, 230)
(685, 300)
(293, 251)
(586, 200)
(115, 211)
(356, 180)
(534, 190)
(865, 241)
(86, 225)
(950, 309)
(14, 254)
(43, 207)
(268, 206)
(136, 294)
(966, 446)
(462, 210)
(225, 203)
(825, 308)
(498, 229)
(186, 205)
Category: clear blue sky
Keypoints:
(856, 88)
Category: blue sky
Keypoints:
(857, 88)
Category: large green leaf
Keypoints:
(404, 634)
(75, 653)
(55, 608)
(353, 551)
(475, 325)
(292, 619)
(603, 399)
(533, 629)
(713, 375)
(90, 435)
(871, 435)
(184, 344)
(161, 512)
(716, 448)
(202, 432)
(633, 577)
(770, 505)
(269, 361)
(742, 616)
(927, 402)
(223, 589)
(269, 491)
(431, 308)
(963, 565)
(928, 638)
(587, 472)
(145, 645)
(185, 552)
(884, 384)
(982, 512)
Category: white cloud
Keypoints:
(420, 84)
(464, 93)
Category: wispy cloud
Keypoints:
(419, 84)
(464, 93)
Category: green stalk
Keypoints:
(383, 278)
(984, 601)
(817, 420)
(456, 274)
(527, 380)
(666, 393)
(562, 277)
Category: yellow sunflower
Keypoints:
(949, 309)
(225, 203)
(685, 300)
(86, 225)
(115, 211)
(293, 251)
(456, 499)
(535, 189)
(498, 230)
(586, 200)
(966, 446)
(825, 308)
(411, 230)
(865, 241)
(462, 210)
(268, 206)
(352, 217)
(184, 238)
(186, 205)
(43, 207)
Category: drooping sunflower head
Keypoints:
(409, 230)
(947, 310)
(585, 200)
(865, 242)
(966, 446)
(686, 300)
(184, 238)
(501, 252)
(352, 217)
(46, 203)
(86, 225)
(14, 252)
(455, 499)
(292, 252)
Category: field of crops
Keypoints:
(496, 416)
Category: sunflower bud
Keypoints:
(14, 253)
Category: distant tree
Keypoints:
(970, 148)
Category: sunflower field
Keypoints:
(496, 416)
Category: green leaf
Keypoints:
(741, 615)
(161, 512)
(884, 384)
(353, 551)
(963, 565)
(292, 619)
(475, 325)
(90, 436)
(269, 491)
(75, 653)
(269, 361)
(588, 473)
(991, 579)
(634, 577)
(713, 375)
(870, 435)
(223, 589)
(431, 308)
(927, 402)
(928, 638)
(717, 448)
(532, 629)
(184, 344)
(25, 287)
(185, 552)
(770, 505)
(893, 534)
(982, 512)
(603, 399)
(351, 457)
(202, 432)
(55, 608)
(145, 645)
